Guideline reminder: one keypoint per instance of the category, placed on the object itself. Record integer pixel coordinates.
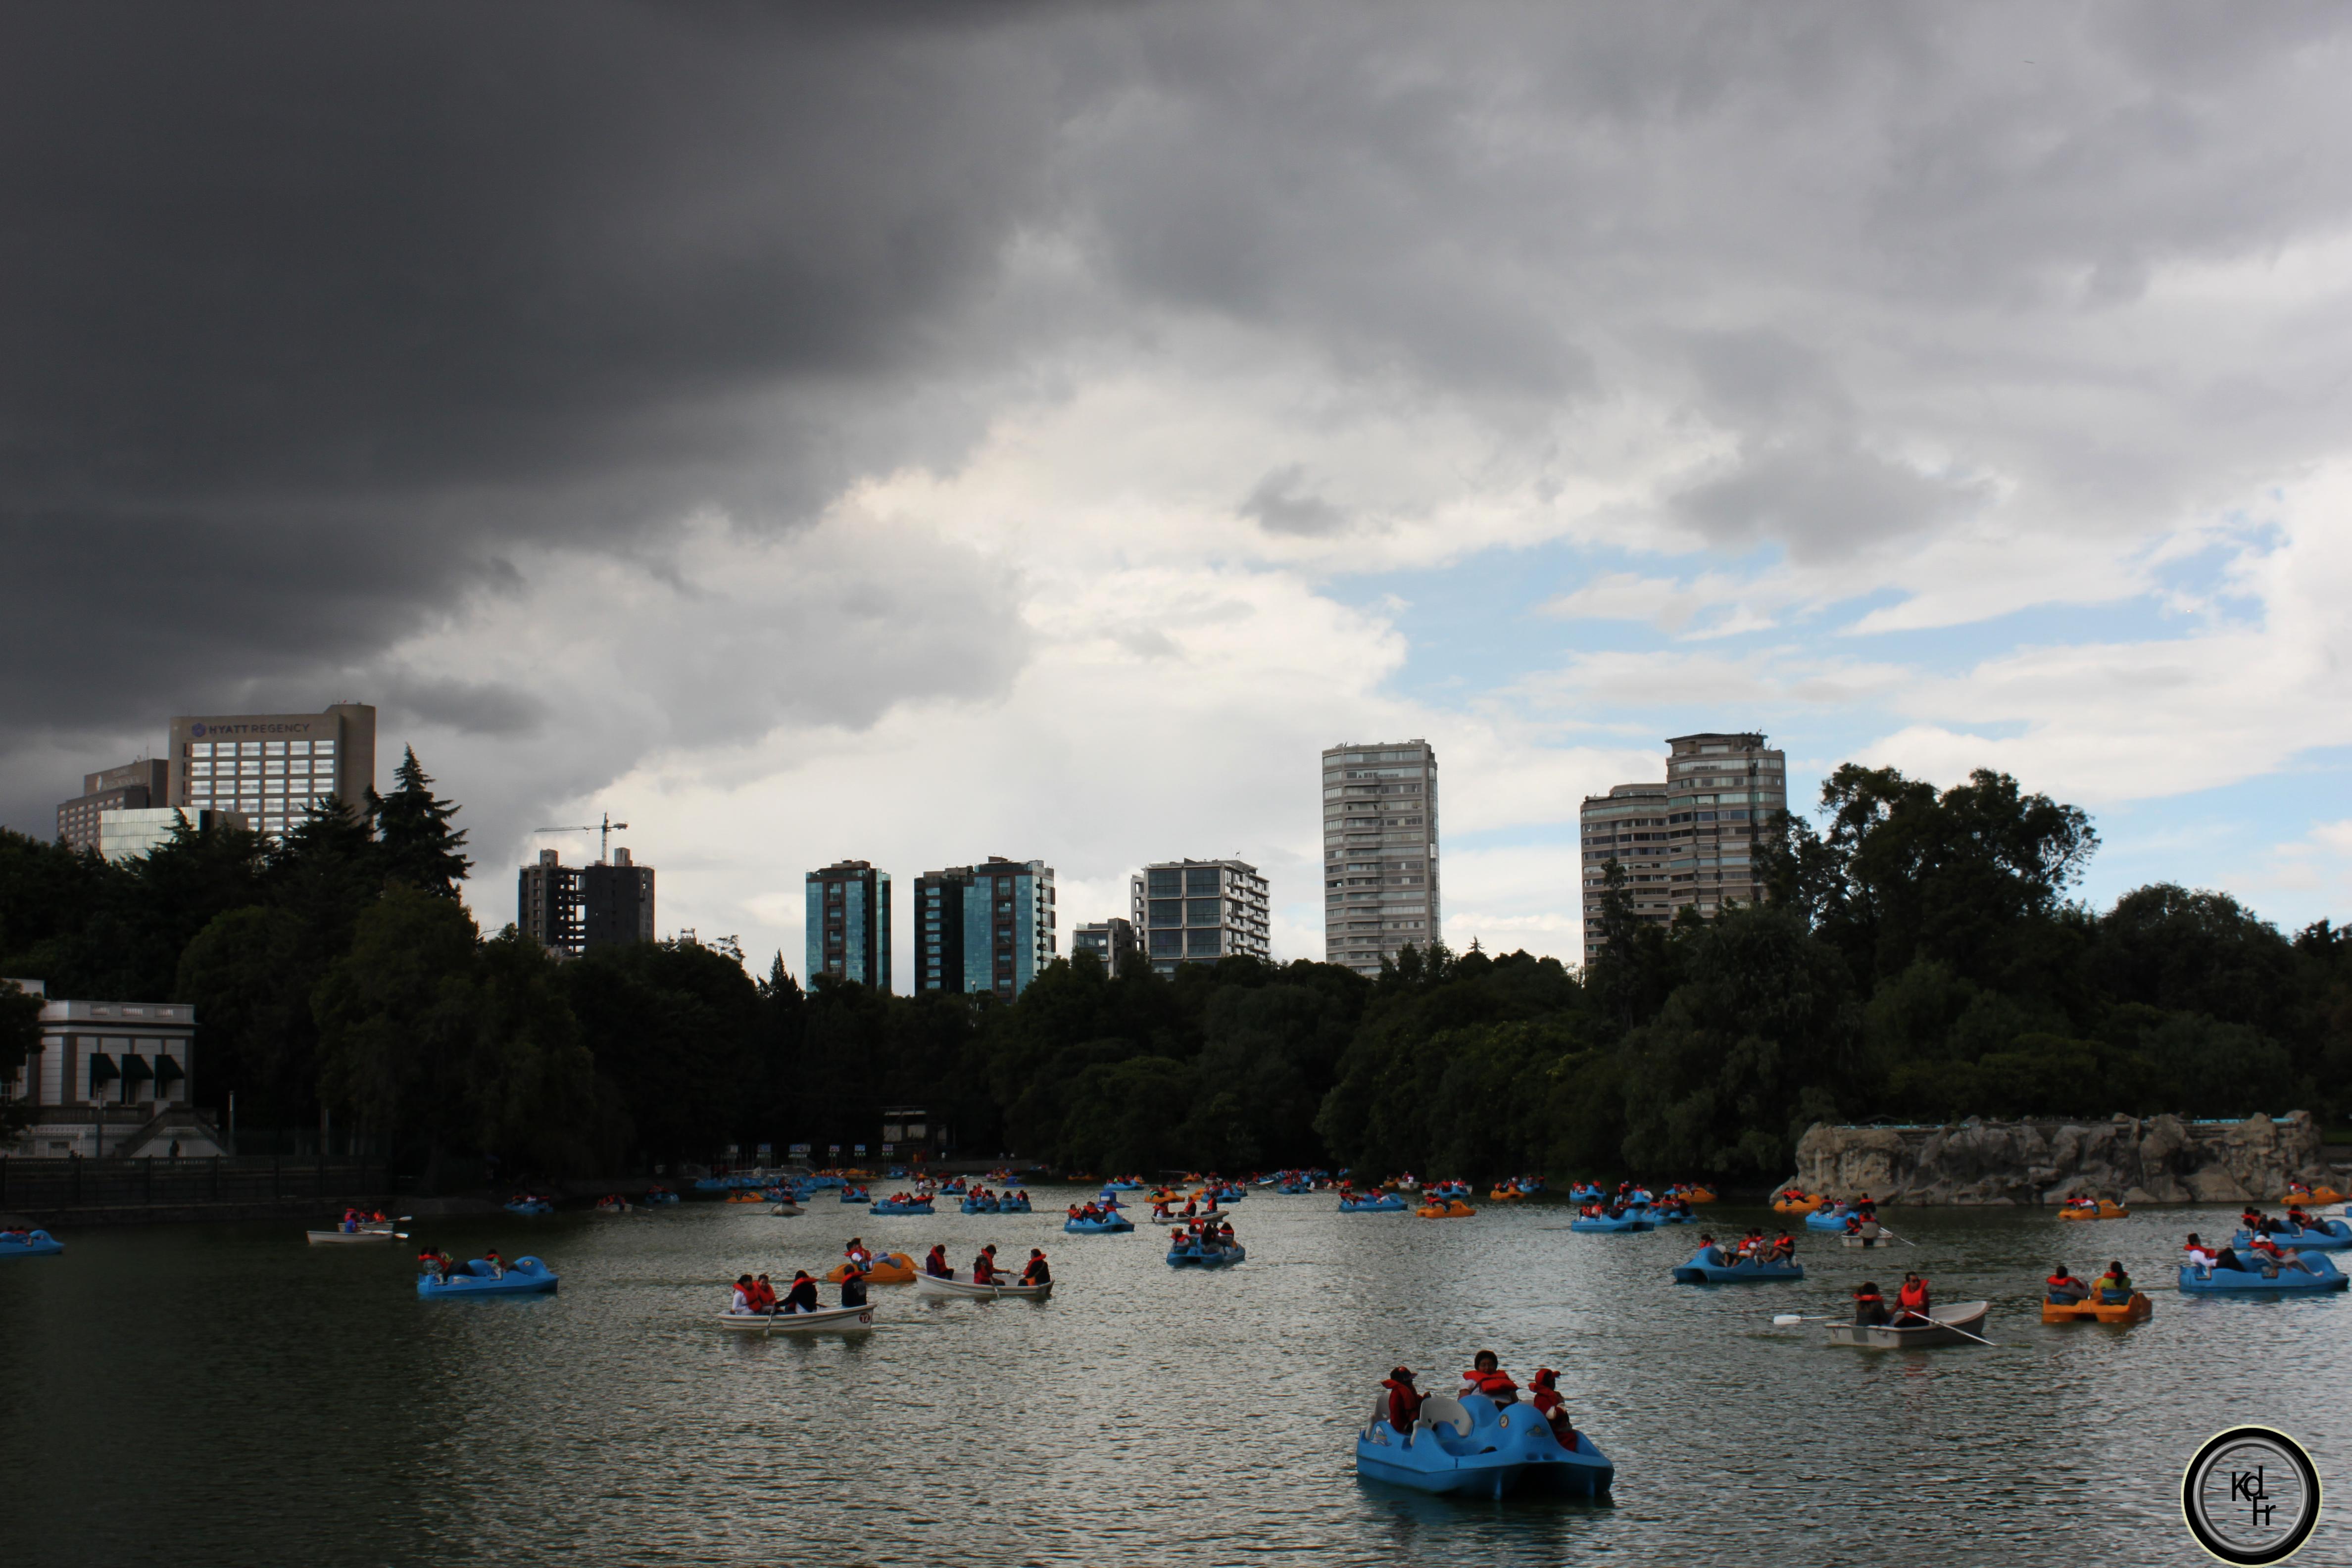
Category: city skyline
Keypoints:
(1080, 455)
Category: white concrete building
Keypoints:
(1198, 912)
(1690, 842)
(111, 1079)
(1379, 852)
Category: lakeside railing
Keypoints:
(32, 1183)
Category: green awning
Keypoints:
(135, 1069)
(101, 1068)
(167, 1069)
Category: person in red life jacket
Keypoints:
(763, 1297)
(802, 1297)
(860, 1259)
(1869, 1306)
(1074, 1210)
(498, 1265)
(1864, 1207)
(2065, 1289)
(1404, 1399)
(1911, 1301)
(2297, 1218)
(1486, 1376)
(746, 1296)
(937, 1264)
(983, 1267)
(1037, 1271)
(1784, 1248)
(1552, 1407)
(1225, 1233)
(435, 1262)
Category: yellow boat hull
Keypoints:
(2138, 1309)
(1456, 1209)
(891, 1269)
(2106, 1210)
(1797, 1205)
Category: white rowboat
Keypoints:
(1967, 1316)
(834, 1319)
(340, 1237)
(932, 1285)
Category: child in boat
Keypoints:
(1404, 1399)
(1037, 1271)
(1552, 1407)
(764, 1295)
(498, 1265)
(937, 1264)
(746, 1293)
(1709, 1255)
(2115, 1287)
(2064, 1290)
(1486, 1376)
(1869, 1306)
(983, 1267)
(860, 1259)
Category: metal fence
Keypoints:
(121, 1184)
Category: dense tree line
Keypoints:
(1921, 960)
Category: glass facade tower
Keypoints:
(1198, 912)
(984, 928)
(849, 924)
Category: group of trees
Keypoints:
(1920, 959)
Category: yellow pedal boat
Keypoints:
(1798, 1202)
(1453, 1208)
(2138, 1309)
(2108, 1209)
(890, 1269)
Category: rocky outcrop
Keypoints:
(2160, 1160)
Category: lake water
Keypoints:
(199, 1395)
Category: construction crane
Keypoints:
(604, 844)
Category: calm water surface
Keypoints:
(193, 1396)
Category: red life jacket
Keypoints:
(1405, 1403)
(1913, 1298)
(763, 1296)
(1496, 1385)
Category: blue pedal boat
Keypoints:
(524, 1276)
(531, 1206)
(1293, 1189)
(1830, 1218)
(2319, 1235)
(1387, 1203)
(1110, 1225)
(1122, 1186)
(1207, 1256)
(1012, 1206)
(1472, 1446)
(1631, 1219)
(1698, 1271)
(856, 1195)
(2325, 1276)
(892, 1206)
(980, 1205)
(33, 1244)
(1585, 1193)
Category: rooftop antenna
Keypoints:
(604, 844)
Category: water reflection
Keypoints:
(228, 1395)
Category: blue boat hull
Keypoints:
(531, 1208)
(1096, 1227)
(1018, 1205)
(1382, 1206)
(1698, 1273)
(1224, 1258)
(1630, 1222)
(40, 1243)
(524, 1276)
(891, 1208)
(1826, 1219)
(2327, 1236)
(1507, 1450)
(979, 1206)
(2244, 1282)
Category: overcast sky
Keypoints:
(916, 433)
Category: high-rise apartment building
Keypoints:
(270, 767)
(1690, 842)
(849, 924)
(1379, 852)
(1198, 912)
(135, 786)
(1111, 941)
(986, 928)
(571, 910)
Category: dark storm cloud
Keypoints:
(313, 318)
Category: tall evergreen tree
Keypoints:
(416, 844)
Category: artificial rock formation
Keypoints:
(2161, 1159)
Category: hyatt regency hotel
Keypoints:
(268, 767)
